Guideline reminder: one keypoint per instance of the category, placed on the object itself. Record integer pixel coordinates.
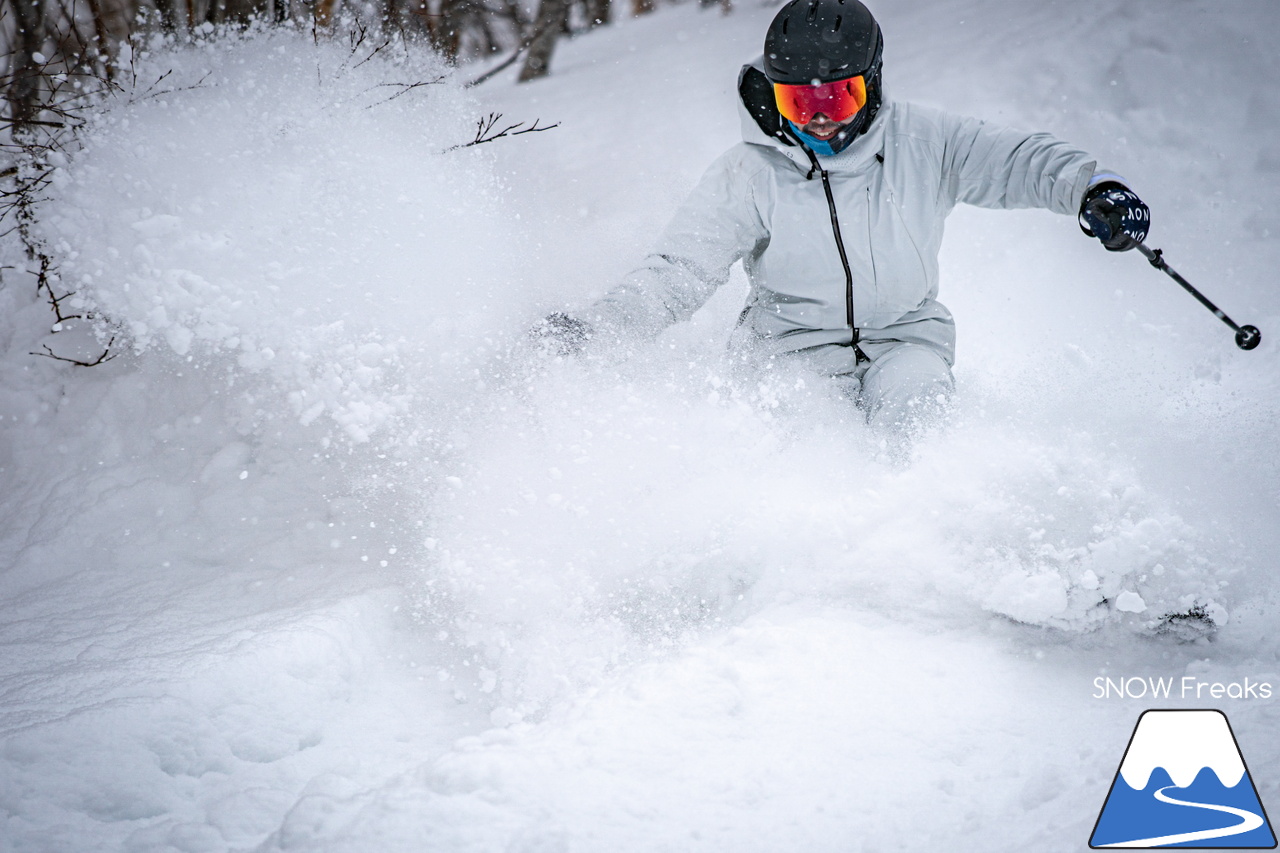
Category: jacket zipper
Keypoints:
(855, 336)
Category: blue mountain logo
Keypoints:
(1183, 783)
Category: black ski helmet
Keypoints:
(820, 41)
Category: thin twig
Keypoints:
(157, 82)
(11, 123)
(509, 61)
(148, 95)
(56, 302)
(106, 356)
(405, 88)
(485, 126)
(497, 69)
(373, 53)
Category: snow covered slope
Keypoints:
(314, 566)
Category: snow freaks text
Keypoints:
(1186, 687)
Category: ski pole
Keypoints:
(1247, 337)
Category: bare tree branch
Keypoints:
(31, 121)
(498, 69)
(106, 356)
(507, 63)
(404, 89)
(485, 132)
(149, 94)
(373, 53)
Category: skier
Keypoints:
(835, 202)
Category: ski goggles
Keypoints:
(838, 100)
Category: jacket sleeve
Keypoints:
(716, 226)
(991, 166)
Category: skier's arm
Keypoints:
(991, 166)
(715, 226)
(999, 167)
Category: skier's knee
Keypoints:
(907, 389)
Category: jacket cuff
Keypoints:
(1107, 178)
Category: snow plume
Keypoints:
(268, 234)
(295, 207)
(604, 516)
(297, 272)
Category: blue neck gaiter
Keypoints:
(813, 143)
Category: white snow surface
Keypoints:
(326, 561)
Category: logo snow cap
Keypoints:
(1183, 783)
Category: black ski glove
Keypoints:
(1115, 215)
(560, 334)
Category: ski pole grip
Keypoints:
(1099, 208)
(1118, 240)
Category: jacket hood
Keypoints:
(757, 111)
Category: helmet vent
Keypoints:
(836, 28)
(813, 12)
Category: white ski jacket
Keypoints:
(763, 203)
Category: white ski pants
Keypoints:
(904, 387)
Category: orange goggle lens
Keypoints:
(837, 101)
